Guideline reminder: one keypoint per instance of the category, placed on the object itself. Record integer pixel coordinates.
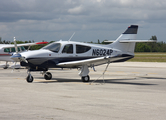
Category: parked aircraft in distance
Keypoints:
(69, 54)
(6, 51)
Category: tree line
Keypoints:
(151, 46)
(140, 47)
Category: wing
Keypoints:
(26, 44)
(90, 62)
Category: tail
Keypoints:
(123, 41)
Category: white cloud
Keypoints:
(40, 19)
(76, 10)
(126, 2)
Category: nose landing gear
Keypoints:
(29, 78)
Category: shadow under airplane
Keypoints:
(109, 81)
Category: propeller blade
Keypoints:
(23, 59)
(15, 45)
(17, 56)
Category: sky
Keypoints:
(53, 20)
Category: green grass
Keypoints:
(149, 57)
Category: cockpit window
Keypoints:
(68, 49)
(53, 47)
(82, 49)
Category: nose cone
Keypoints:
(36, 57)
(35, 54)
(16, 57)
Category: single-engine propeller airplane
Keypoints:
(69, 54)
(6, 51)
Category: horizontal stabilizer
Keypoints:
(128, 41)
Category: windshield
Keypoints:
(53, 47)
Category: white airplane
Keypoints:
(69, 54)
(6, 51)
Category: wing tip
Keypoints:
(41, 43)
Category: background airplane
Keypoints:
(6, 51)
(69, 54)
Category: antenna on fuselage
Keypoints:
(71, 37)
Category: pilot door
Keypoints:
(67, 53)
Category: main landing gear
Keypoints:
(6, 66)
(47, 76)
(84, 73)
(85, 78)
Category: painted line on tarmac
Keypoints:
(135, 72)
(153, 73)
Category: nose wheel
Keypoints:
(48, 76)
(29, 78)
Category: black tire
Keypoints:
(5, 67)
(85, 78)
(48, 76)
(29, 78)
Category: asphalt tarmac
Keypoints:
(130, 91)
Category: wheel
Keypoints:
(48, 76)
(29, 78)
(16, 68)
(5, 67)
(85, 78)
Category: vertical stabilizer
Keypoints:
(129, 34)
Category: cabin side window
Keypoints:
(14, 50)
(68, 49)
(22, 48)
(7, 50)
(82, 49)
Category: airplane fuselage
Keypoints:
(64, 51)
